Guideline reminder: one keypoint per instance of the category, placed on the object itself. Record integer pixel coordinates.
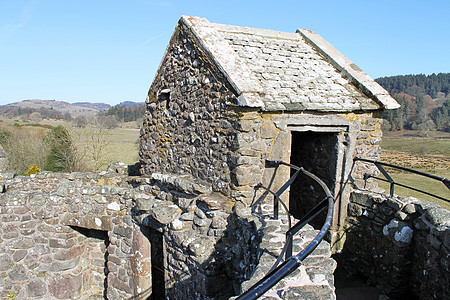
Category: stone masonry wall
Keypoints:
(210, 244)
(401, 244)
(83, 235)
(68, 236)
(188, 126)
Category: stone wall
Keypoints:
(188, 126)
(68, 236)
(401, 244)
(105, 234)
(210, 244)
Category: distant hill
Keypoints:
(425, 101)
(52, 107)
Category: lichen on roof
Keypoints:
(281, 71)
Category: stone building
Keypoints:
(194, 223)
(227, 98)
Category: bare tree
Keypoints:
(91, 142)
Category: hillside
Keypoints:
(52, 108)
(425, 102)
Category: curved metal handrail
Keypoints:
(281, 201)
(292, 262)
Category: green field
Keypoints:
(123, 145)
(430, 155)
(420, 146)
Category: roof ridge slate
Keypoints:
(232, 47)
(225, 58)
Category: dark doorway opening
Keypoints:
(157, 261)
(316, 152)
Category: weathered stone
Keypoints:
(59, 243)
(36, 288)
(145, 204)
(438, 216)
(268, 131)
(201, 247)
(188, 216)
(201, 222)
(185, 184)
(19, 255)
(409, 208)
(165, 212)
(218, 223)
(5, 263)
(65, 287)
(69, 254)
(355, 210)
(23, 243)
(18, 273)
(215, 201)
(123, 231)
(362, 199)
(395, 203)
(59, 266)
(401, 215)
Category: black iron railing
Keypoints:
(292, 262)
(392, 183)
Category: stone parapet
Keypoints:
(400, 243)
(66, 236)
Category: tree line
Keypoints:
(413, 85)
(424, 100)
(124, 113)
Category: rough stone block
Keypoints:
(361, 198)
(355, 210)
(36, 288)
(438, 216)
(165, 212)
(394, 203)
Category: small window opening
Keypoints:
(164, 95)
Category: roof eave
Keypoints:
(350, 70)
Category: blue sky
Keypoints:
(108, 50)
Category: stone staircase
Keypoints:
(312, 280)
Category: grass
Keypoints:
(123, 146)
(421, 146)
(430, 155)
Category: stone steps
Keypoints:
(312, 280)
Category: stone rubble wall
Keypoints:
(401, 244)
(210, 243)
(191, 130)
(57, 232)
(81, 235)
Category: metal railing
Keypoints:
(292, 262)
(392, 182)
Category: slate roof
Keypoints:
(285, 71)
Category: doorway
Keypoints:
(317, 153)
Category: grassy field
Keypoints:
(123, 145)
(430, 155)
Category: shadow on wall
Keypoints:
(209, 271)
